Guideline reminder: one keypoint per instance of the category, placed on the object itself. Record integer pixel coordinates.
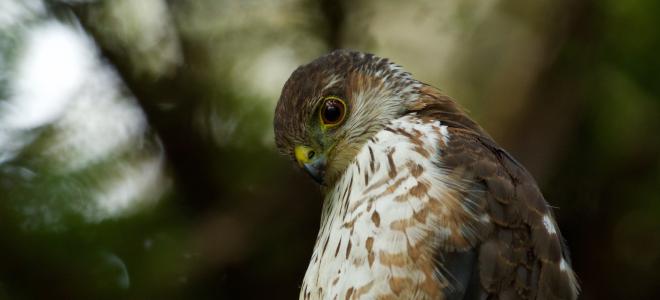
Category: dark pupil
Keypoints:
(332, 112)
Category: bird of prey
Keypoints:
(419, 201)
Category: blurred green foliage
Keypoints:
(137, 158)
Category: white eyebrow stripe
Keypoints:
(333, 80)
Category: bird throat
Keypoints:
(380, 220)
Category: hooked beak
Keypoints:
(313, 163)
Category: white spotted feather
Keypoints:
(336, 271)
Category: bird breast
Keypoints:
(387, 215)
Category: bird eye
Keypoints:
(332, 112)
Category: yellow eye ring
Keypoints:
(332, 111)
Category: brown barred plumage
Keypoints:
(419, 201)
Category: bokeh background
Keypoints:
(136, 149)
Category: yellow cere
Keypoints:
(302, 154)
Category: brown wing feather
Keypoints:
(518, 256)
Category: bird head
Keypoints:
(331, 106)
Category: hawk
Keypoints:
(419, 201)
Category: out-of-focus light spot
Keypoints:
(422, 38)
(40, 214)
(135, 186)
(262, 78)
(145, 27)
(56, 61)
(11, 143)
(20, 172)
(223, 128)
(266, 74)
(100, 122)
(61, 84)
(14, 12)
(148, 244)
(118, 268)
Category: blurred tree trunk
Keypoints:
(539, 134)
(335, 15)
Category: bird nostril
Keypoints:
(310, 154)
